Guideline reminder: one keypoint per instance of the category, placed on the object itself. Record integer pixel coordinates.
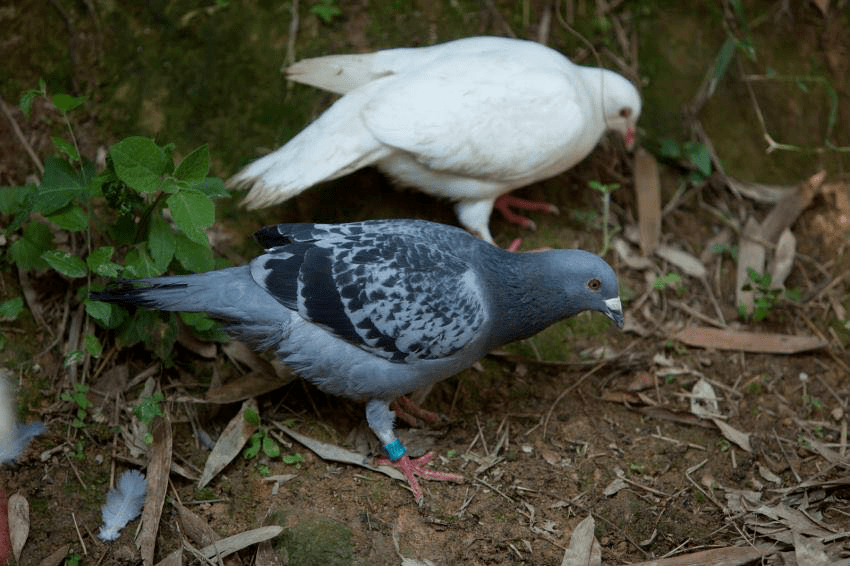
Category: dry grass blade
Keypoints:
(743, 341)
(235, 543)
(648, 195)
(159, 465)
(334, 453)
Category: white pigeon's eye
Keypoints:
(594, 284)
(625, 112)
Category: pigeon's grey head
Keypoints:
(621, 104)
(592, 285)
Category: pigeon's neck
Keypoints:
(527, 292)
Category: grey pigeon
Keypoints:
(374, 310)
(468, 120)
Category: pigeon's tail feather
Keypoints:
(336, 144)
(336, 73)
(229, 294)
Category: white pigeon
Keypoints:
(468, 120)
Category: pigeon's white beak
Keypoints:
(629, 137)
(614, 311)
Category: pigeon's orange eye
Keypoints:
(594, 284)
(625, 112)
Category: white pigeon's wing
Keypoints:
(489, 118)
(400, 296)
(344, 73)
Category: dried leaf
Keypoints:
(809, 551)
(195, 527)
(631, 259)
(614, 487)
(738, 340)
(584, 549)
(729, 556)
(688, 263)
(751, 254)
(704, 400)
(246, 386)
(159, 465)
(648, 194)
(19, 523)
(760, 192)
(334, 453)
(786, 211)
(230, 443)
(732, 434)
(783, 259)
(235, 543)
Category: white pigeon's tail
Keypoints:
(336, 73)
(336, 144)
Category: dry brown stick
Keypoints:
(289, 59)
(20, 135)
(494, 11)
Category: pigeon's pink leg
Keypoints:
(412, 467)
(504, 201)
(408, 411)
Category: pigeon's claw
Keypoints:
(408, 411)
(505, 201)
(412, 467)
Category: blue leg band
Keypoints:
(395, 450)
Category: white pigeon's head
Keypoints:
(621, 104)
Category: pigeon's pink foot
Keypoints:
(505, 201)
(412, 467)
(514, 247)
(408, 411)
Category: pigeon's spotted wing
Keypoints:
(399, 295)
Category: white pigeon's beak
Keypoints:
(614, 311)
(630, 137)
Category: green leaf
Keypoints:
(140, 163)
(200, 321)
(250, 452)
(721, 63)
(161, 242)
(193, 212)
(270, 447)
(26, 252)
(252, 417)
(65, 103)
(193, 256)
(213, 187)
(138, 328)
(92, 346)
(30, 95)
(699, 155)
(71, 217)
(59, 185)
(107, 314)
(292, 458)
(195, 166)
(670, 149)
(9, 310)
(12, 198)
(150, 407)
(100, 262)
(137, 263)
(65, 263)
(67, 148)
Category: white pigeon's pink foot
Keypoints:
(505, 201)
(408, 411)
(412, 467)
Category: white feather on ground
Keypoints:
(123, 504)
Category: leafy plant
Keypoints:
(326, 10)
(148, 409)
(140, 217)
(605, 190)
(765, 297)
(670, 281)
(694, 154)
(79, 398)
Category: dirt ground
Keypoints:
(705, 455)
